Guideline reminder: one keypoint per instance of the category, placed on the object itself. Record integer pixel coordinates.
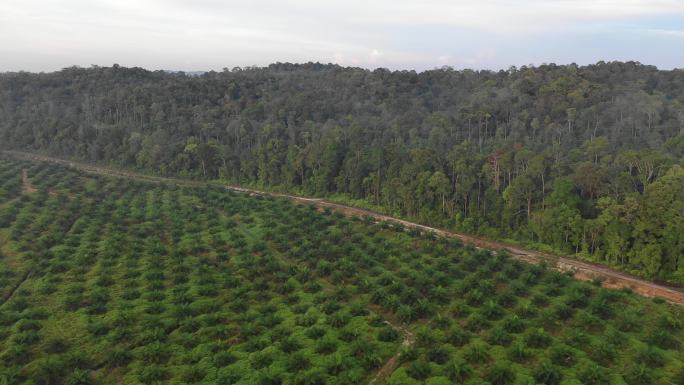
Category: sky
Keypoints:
(189, 35)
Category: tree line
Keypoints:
(576, 159)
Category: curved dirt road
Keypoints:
(581, 270)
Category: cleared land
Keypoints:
(136, 282)
(581, 270)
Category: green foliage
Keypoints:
(501, 374)
(458, 371)
(547, 373)
(289, 305)
(584, 160)
(592, 374)
(420, 369)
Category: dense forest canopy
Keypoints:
(581, 159)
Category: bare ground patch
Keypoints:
(26, 186)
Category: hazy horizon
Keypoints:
(204, 35)
(200, 71)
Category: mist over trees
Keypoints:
(581, 159)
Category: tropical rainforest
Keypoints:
(582, 160)
(119, 281)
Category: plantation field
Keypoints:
(109, 281)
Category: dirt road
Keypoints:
(581, 270)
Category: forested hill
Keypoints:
(584, 160)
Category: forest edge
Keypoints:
(580, 270)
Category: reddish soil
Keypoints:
(581, 270)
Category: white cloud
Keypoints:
(496, 15)
(200, 34)
(668, 32)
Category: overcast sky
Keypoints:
(47, 35)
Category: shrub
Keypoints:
(563, 312)
(408, 354)
(547, 373)
(615, 337)
(290, 344)
(97, 328)
(358, 310)
(349, 334)
(269, 377)
(297, 362)
(540, 300)
(438, 354)
(507, 299)
(519, 289)
(476, 322)
(492, 311)
(326, 345)
(518, 352)
(458, 371)
(149, 374)
(576, 337)
(336, 364)
(562, 355)
(641, 375)
(592, 374)
(601, 308)
(603, 352)
(228, 375)
(513, 324)
(537, 338)
(501, 374)
(154, 353)
(406, 313)
(388, 334)
(419, 369)
(16, 354)
(339, 319)
(498, 336)
(440, 321)
(79, 377)
(315, 332)
(477, 353)
(426, 336)
(663, 339)
(577, 298)
(311, 377)
(652, 356)
(260, 360)
(458, 337)
(670, 322)
(119, 357)
(49, 370)
(308, 319)
(474, 297)
(56, 345)
(25, 338)
(27, 325)
(526, 310)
